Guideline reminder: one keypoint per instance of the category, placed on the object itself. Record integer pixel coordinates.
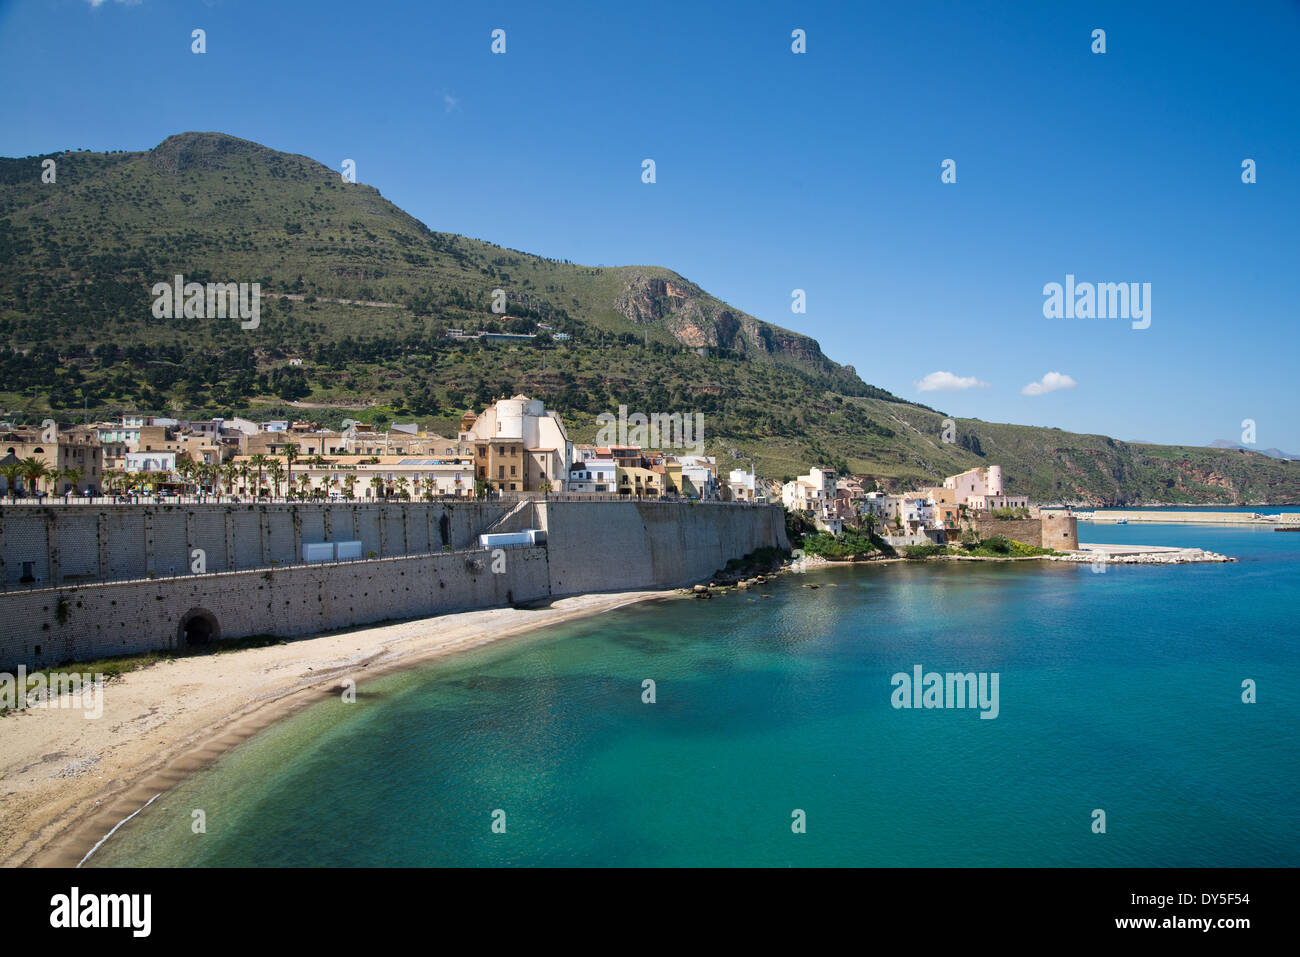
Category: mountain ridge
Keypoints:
(84, 252)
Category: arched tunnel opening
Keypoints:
(198, 628)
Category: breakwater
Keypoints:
(420, 561)
(1134, 516)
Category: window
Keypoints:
(512, 470)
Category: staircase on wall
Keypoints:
(520, 518)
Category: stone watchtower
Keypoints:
(1060, 529)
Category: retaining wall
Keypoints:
(86, 543)
(607, 546)
(1058, 531)
(45, 626)
(591, 547)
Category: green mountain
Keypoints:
(358, 298)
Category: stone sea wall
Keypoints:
(597, 546)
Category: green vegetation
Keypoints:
(1010, 513)
(925, 551)
(376, 293)
(849, 546)
(758, 562)
(999, 546)
(798, 526)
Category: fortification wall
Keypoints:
(591, 546)
(1050, 530)
(1029, 531)
(607, 546)
(46, 626)
(69, 544)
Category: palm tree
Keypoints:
(376, 482)
(34, 470)
(229, 472)
(428, 483)
(243, 470)
(185, 469)
(402, 484)
(12, 472)
(304, 485)
(350, 485)
(73, 475)
(276, 471)
(259, 462)
(291, 456)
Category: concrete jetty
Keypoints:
(1140, 555)
(1143, 517)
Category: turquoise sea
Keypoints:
(1119, 691)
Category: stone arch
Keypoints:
(198, 628)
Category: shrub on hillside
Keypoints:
(845, 547)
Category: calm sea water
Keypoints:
(1118, 691)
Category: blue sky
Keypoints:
(778, 171)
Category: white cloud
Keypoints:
(947, 382)
(449, 102)
(126, 3)
(1049, 383)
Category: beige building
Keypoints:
(75, 447)
(518, 446)
(364, 477)
(982, 488)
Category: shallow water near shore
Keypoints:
(1118, 690)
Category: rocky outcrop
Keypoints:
(697, 320)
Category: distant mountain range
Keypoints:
(358, 298)
(1271, 453)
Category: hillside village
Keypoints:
(513, 448)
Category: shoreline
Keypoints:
(69, 781)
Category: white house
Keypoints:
(742, 485)
(151, 462)
(702, 472)
(809, 493)
(593, 475)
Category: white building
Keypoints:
(593, 475)
(982, 488)
(743, 486)
(702, 472)
(247, 426)
(151, 462)
(916, 512)
(519, 433)
(809, 493)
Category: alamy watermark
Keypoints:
(930, 689)
(59, 689)
(128, 911)
(1103, 300)
(658, 430)
(214, 300)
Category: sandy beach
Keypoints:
(65, 781)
